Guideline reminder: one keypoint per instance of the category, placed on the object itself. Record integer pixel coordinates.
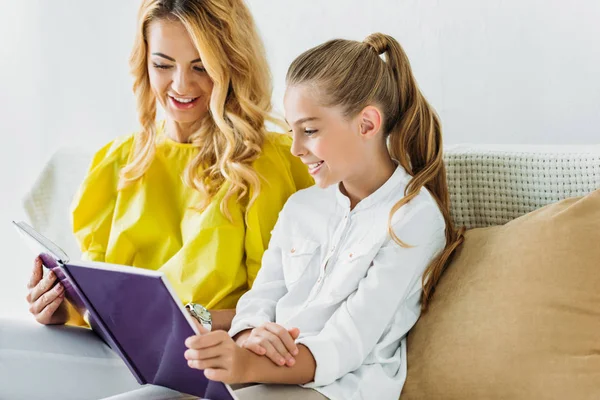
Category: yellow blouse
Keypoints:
(152, 224)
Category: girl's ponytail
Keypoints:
(415, 140)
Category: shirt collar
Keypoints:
(389, 186)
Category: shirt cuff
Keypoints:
(242, 324)
(326, 358)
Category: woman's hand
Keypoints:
(218, 355)
(46, 302)
(275, 342)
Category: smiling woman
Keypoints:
(178, 78)
(195, 196)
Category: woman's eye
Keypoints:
(200, 69)
(161, 66)
(310, 132)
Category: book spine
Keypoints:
(96, 323)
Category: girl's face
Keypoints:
(329, 143)
(177, 76)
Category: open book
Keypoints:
(136, 312)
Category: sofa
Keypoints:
(474, 343)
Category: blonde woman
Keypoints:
(195, 196)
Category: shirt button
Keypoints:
(293, 250)
(350, 255)
(319, 280)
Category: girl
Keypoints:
(353, 260)
(195, 196)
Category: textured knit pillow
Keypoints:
(517, 313)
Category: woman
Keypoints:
(195, 196)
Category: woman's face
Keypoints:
(177, 75)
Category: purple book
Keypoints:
(136, 312)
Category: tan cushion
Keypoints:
(517, 313)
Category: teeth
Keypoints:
(184, 100)
(314, 165)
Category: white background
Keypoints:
(497, 71)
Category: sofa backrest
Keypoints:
(493, 184)
(489, 184)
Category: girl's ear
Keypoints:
(370, 121)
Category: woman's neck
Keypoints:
(374, 173)
(181, 131)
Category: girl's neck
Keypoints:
(374, 174)
(180, 132)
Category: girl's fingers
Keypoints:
(285, 338)
(280, 348)
(270, 351)
(254, 347)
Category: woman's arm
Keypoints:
(223, 360)
(221, 319)
(263, 370)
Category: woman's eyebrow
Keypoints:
(172, 59)
(164, 56)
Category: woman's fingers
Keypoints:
(216, 362)
(46, 314)
(36, 273)
(198, 342)
(43, 286)
(46, 298)
(285, 338)
(204, 354)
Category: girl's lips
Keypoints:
(314, 168)
(183, 106)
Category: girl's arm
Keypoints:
(257, 306)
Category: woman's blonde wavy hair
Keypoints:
(232, 132)
(352, 75)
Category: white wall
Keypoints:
(497, 71)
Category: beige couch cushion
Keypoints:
(517, 313)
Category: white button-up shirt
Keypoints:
(354, 293)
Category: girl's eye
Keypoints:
(310, 132)
(200, 69)
(161, 66)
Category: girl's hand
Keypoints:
(46, 302)
(217, 354)
(274, 341)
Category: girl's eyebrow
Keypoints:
(172, 59)
(302, 120)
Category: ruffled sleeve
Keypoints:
(93, 206)
(281, 174)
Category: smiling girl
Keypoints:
(354, 260)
